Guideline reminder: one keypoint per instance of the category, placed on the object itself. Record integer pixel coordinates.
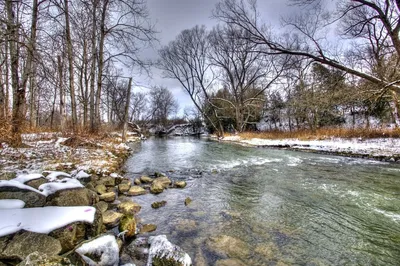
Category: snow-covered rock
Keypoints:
(43, 220)
(16, 184)
(11, 204)
(23, 178)
(81, 175)
(66, 183)
(105, 248)
(53, 175)
(161, 248)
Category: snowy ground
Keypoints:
(45, 151)
(382, 148)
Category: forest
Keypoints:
(63, 67)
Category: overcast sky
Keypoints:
(172, 16)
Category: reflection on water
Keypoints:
(287, 208)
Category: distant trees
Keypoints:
(162, 105)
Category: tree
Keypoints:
(162, 105)
(361, 18)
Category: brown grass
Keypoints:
(324, 133)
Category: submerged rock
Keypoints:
(111, 218)
(230, 262)
(186, 225)
(228, 246)
(158, 204)
(147, 228)
(25, 243)
(136, 191)
(163, 252)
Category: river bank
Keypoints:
(382, 149)
(67, 202)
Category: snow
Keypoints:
(11, 204)
(23, 178)
(161, 247)
(43, 220)
(115, 175)
(81, 174)
(374, 147)
(66, 183)
(105, 247)
(13, 183)
(53, 175)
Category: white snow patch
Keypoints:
(161, 247)
(27, 177)
(105, 247)
(43, 220)
(66, 183)
(115, 175)
(54, 174)
(81, 174)
(11, 204)
(59, 141)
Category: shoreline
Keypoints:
(381, 149)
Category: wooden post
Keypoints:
(126, 115)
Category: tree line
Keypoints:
(242, 70)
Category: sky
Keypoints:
(172, 16)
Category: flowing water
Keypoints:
(289, 208)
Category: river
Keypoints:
(289, 208)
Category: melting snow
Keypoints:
(66, 183)
(81, 174)
(11, 204)
(105, 247)
(27, 177)
(54, 174)
(43, 220)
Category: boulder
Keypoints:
(124, 187)
(111, 218)
(147, 228)
(25, 243)
(129, 207)
(228, 246)
(138, 250)
(180, 184)
(136, 191)
(37, 258)
(163, 252)
(158, 204)
(108, 197)
(128, 225)
(71, 197)
(31, 198)
(101, 189)
(102, 206)
(70, 235)
(146, 179)
(35, 183)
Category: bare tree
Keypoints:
(162, 105)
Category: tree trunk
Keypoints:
(62, 94)
(126, 114)
(93, 69)
(70, 67)
(394, 104)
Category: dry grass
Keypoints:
(324, 133)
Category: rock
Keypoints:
(146, 179)
(71, 197)
(137, 181)
(91, 187)
(69, 236)
(138, 250)
(102, 206)
(108, 181)
(230, 262)
(102, 251)
(124, 187)
(165, 181)
(128, 225)
(180, 184)
(156, 188)
(101, 189)
(129, 207)
(231, 247)
(268, 251)
(25, 243)
(186, 225)
(8, 175)
(36, 182)
(111, 218)
(136, 191)
(31, 198)
(163, 252)
(158, 204)
(41, 259)
(147, 228)
(188, 200)
(108, 197)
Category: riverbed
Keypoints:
(282, 207)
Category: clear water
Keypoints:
(290, 208)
